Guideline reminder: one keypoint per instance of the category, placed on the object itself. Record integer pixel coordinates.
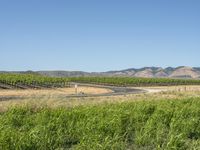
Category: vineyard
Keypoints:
(128, 81)
(26, 81)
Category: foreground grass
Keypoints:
(172, 124)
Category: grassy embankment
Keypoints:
(172, 124)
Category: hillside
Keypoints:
(149, 72)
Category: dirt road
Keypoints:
(115, 90)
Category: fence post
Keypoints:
(76, 89)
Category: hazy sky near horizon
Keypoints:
(98, 35)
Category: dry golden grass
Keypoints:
(57, 98)
(58, 91)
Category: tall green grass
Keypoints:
(173, 124)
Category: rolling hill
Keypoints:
(148, 72)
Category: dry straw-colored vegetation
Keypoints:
(55, 98)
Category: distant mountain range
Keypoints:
(148, 72)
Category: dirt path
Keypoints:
(87, 90)
(115, 90)
(84, 90)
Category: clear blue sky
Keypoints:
(98, 35)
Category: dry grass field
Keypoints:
(55, 98)
(56, 91)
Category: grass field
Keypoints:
(166, 117)
(55, 98)
(172, 124)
